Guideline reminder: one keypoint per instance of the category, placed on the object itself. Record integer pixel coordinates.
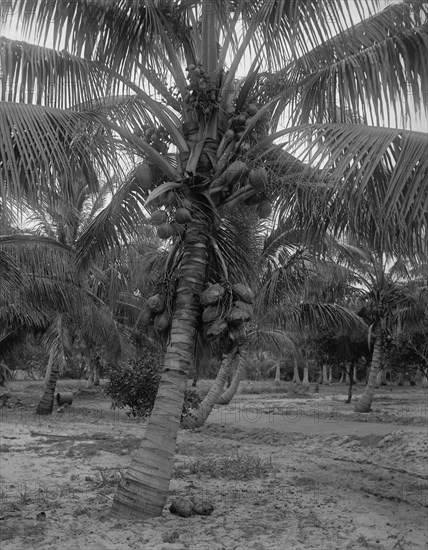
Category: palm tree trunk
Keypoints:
(143, 489)
(364, 403)
(197, 418)
(296, 377)
(226, 397)
(277, 373)
(46, 402)
(305, 375)
(424, 383)
(350, 381)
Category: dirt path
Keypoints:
(308, 424)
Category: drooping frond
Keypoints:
(371, 69)
(39, 145)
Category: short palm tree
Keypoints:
(209, 140)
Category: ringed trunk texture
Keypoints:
(197, 418)
(226, 397)
(46, 402)
(364, 403)
(143, 489)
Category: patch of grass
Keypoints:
(240, 466)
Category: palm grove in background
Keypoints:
(227, 109)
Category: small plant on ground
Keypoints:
(134, 385)
(240, 466)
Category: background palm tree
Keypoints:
(210, 134)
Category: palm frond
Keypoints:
(40, 144)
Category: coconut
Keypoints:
(144, 176)
(237, 316)
(146, 315)
(212, 295)
(159, 217)
(186, 203)
(156, 303)
(243, 292)
(252, 109)
(238, 335)
(264, 209)
(165, 231)
(161, 321)
(210, 314)
(245, 307)
(182, 216)
(258, 179)
(225, 344)
(216, 329)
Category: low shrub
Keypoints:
(134, 385)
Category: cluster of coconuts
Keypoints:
(224, 319)
(172, 223)
(198, 83)
(155, 313)
(238, 174)
(239, 121)
(157, 137)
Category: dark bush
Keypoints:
(134, 385)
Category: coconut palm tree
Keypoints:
(115, 81)
(389, 299)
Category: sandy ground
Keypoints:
(283, 472)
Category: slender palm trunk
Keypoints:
(277, 373)
(305, 375)
(325, 379)
(46, 402)
(143, 489)
(364, 403)
(226, 397)
(425, 377)
(197, 418)
(350, 381)
(296, 377)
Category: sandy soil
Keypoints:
(317, 476)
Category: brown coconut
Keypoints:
(237, 335)
(165, 231)
(182, 506)
(161, 321)
(245, 307)
(216, 329)
(146, 315)
(159, 217)
(210, 314)
(212, 295)
(225, 344)
(237, 316)
(243, 292)
(156, 303)
(182, 216)
(144, 176)
(264, 209)
(258, 179)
